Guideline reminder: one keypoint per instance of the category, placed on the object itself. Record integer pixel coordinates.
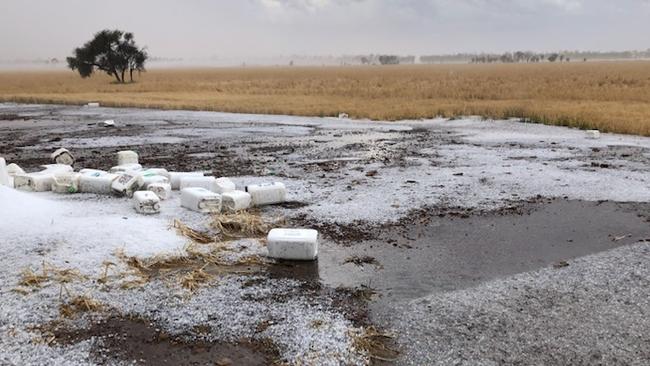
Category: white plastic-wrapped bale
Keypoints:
(127, 157)
(156, 171)
(151, 179)
(208, 183)
(127, 183)
(201, 200)
(267, 193)
(40, 181)
(66, 183)
(293, 244)
(62, 156)
(592, 134)
(33, 182)
(175, 178)
(4, 174)
(126, 168)
(235, 201)
(223, 185)
(97, 182)
(92, 172)
(92, 104)
(13, 169)
(162, 190)
(55, 168)
(146, 202)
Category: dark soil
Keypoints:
(141, 342)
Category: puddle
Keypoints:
(431, 253)
(139, 341)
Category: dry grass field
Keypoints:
(610, 96)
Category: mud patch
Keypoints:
(359, 231)
(12, 117)
(433, 253)
(141, 342)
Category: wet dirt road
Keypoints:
(405, 210)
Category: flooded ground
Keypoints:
(410, 214)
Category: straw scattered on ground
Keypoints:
(195, 235)
(244, 224)
(79, 304)
(374, 343)
(48, 274)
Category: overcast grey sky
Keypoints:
(249, 28)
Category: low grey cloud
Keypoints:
(204, 28)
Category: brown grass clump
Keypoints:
(194, 279)
(196, 266)
(79, 304)
(610, 96)
(48, 273)
(375, 344)
(243, 224)
(29, 278)
(195, 235)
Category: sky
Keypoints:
(267, 28)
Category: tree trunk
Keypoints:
(117, 76)
(131, 72)
(123, 70)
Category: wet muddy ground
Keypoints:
(446, 221)
(141, 341)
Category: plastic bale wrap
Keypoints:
(146, 202)
(127, 183)
(4, 174)
(267, 193)
(55, 168)
(66, 183)
(235, 201)
(162, 190)
(293, 244)
(34, 182)
(13, 169)
(96, 182)
(156, 171)
(151, 179)
(175, 178)
(592, 134)
(62, 156)
(223, 185)
(127, 157)
(92, 172)
(201, 200)
(208, 183)
(125, 168)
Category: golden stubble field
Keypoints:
(610, 96)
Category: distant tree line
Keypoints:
(519, 57)
(533, 57)
(380, 59)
